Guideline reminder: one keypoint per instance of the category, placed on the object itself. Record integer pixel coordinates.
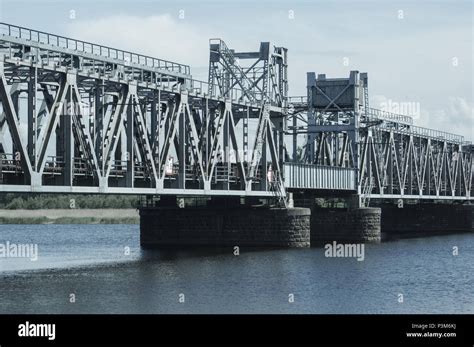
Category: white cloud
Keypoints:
(456, 117)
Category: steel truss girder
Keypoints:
(416, 166)
(396, 164)
(123, 133)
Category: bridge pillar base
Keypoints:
(214, 226)
(357, 225)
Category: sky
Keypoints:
(418, 54)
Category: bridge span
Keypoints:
(78, 117)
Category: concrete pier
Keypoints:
(237, 226)
(358, 225)
(263, 226)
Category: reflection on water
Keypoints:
(105, 268)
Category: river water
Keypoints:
(107, 272)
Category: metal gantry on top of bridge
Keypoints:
(81, 117)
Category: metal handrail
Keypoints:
(192, 85)
(431, 133)
(413, 129)
(202, 87)
(399, 118)
(437, 134)
(297, 99)
(88, 47)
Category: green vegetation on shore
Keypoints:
(65, 201)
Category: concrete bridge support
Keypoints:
(223, 226)
(353, 225)
(235, 222)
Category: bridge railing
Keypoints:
(297, 99)
(57, 43)
(201, 87)
(399, 118)
(91, 48)
(426, 132)
(437, 134)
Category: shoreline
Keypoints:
(70, 216)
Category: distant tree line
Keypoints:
(59, 201)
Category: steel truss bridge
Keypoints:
(77, 117)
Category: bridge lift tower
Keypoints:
(391, 158)
(259, 77)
